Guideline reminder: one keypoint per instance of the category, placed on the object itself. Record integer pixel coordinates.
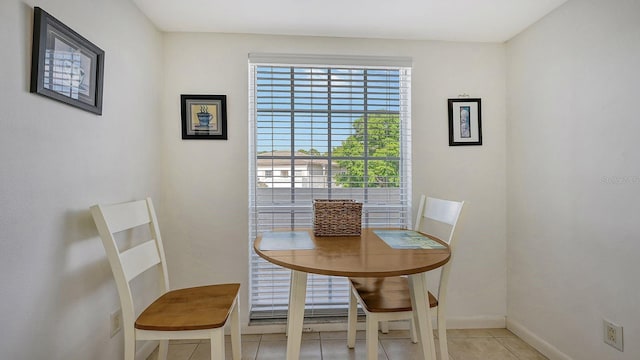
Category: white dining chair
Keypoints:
(190, 313)
(388, 299)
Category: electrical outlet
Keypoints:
(116, 322)
(612, 334)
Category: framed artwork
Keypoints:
(204, 116)
(64, 65)
(465, 122)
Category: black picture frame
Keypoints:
(64, 65)
(204, 117)
(465, 121)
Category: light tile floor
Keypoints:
(476, 344)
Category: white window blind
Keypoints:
(321, 131)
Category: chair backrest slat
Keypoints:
(120, 217)
(437, 211)
(138, 259)
(444, 211)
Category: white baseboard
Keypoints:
(539, 344)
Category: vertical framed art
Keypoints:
(465, 122)
(65, 66)
(204, 116)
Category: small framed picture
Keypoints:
(204, 116)
(65, 66)
(465, 122)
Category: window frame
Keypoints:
(370, 210)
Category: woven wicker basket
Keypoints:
(337, 217)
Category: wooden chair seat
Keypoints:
(390, 294)
(196, 308)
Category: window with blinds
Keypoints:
(324, 131)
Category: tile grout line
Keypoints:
(384, 349)
(192, 353)
(258, 349)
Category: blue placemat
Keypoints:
(407, 239)
(286, 240)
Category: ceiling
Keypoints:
(448, 20)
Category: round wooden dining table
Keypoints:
(366, 255)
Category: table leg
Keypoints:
(422, 314)
(295, 318)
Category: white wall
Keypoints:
(574, 179)
(55, 283)
(205, 184)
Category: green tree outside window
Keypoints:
(382, 149)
